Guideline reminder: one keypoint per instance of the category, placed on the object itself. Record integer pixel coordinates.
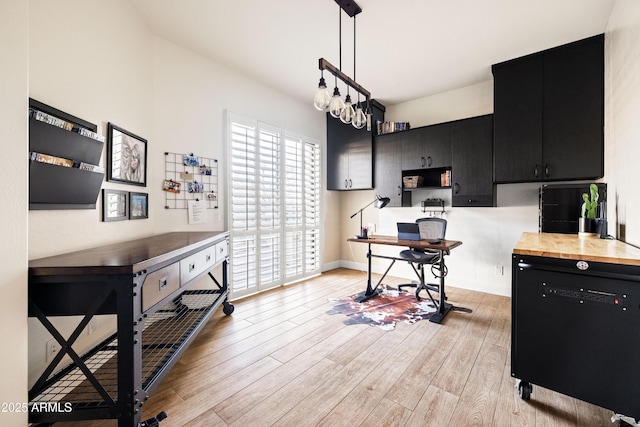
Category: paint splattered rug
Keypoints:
(384, 310)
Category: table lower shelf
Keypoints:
(166, 334)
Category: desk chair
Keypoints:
(430, 229)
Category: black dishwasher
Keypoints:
(576, 330)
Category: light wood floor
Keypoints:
(280, 360)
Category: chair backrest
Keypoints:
(432, 228)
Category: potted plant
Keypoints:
(587, 223)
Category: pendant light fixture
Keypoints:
(321, 99)
(359, 120)
(344, 110)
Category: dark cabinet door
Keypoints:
(472, 162)
(388, 164)
(549, 114)
(427, 147)
(518, 120)
(349, 157)
(337, 158)
(573, 111)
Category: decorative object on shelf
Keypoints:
(587, 222)
(197, 176)
(390, 127)
(138, 205)
(115, 205)
(435, 207)
(344, 110)
(412, 181)
(126, 157)
(380, 202)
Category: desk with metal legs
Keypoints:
(444, 247)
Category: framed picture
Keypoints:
(138, 205)
(126, 157)
(115, 205)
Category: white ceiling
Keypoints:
(406, 49)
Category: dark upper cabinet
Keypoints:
(426, 147)
(350, 154)
(549, 114)
(517, 105)
(472, 162)
(388, 167)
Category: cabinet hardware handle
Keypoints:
(399, 190)
(162, 283)
(192, 267)
(456, 188)
(207, 257)
(346, 183)
(470, 201)
(546, 170)
(423, 160)
(535, 172)
(429, 161)
(350, 183)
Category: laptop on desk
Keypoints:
(408, 231)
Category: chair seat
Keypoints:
(419, 257)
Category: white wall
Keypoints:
(488, 234)
(13, 220)
(117, 71)
(622, 124)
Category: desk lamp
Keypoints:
(380, 202)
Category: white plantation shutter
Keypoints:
(275, 206)
(243, 203)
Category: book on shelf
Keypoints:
(49, 119)
(61, 161)
(390, 127)
(445, 179)
(90, 167)
(86, 132)
(52, 160)
(63, 124)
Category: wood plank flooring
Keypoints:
(280, 360)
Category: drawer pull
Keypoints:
(162, 282)
(192, 267)
(207, 257)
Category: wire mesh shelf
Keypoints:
(164, 334)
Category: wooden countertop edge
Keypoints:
(572, 247)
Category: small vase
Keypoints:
(586, 227)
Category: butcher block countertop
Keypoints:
(570, 246)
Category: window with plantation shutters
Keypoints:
(274, 206)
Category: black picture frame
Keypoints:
(126, 156)
(138, 205)
(115, 205)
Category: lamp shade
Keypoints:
(382, 202)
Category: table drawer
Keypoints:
(159, 284)
(222, 250)
(196, 264)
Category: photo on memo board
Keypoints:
(126, 157)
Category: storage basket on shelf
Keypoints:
(412, 181)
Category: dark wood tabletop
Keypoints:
(124, 257)
(444, 245)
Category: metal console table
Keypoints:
(145, 283)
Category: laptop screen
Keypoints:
(408, 231)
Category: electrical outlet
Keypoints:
(499, 270)
(53, 348)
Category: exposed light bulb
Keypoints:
(359, 119)
(336, 105)
(346, 116)
(322, 98)
(369, 117)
